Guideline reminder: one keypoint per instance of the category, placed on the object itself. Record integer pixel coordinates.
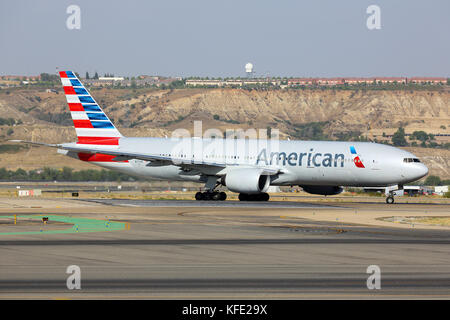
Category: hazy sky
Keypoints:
(216, 38)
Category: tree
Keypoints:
(87, 75)
(420, 135)
(398, 139)
(96, 75)
(432, 181)
(48, 77)
(177, 84)
(20, 174)
(66, 173)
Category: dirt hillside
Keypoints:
(152, 112)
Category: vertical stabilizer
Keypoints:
(91, 123)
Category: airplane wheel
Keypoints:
(199, 196)
(264, 197)
(223, 196)
(243, 197)
(390, 200)
(216, 196)
(207, 196)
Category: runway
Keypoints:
(212, 242)
(344, 284)
(210, 204)
(180, 251)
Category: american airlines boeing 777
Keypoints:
(245, 166)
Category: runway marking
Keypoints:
(79, 225)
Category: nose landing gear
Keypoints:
(390, 199)
(391, 191)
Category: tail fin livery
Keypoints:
(91, 123)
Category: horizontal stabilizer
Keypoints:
(35, 143)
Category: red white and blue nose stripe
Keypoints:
(90, 121)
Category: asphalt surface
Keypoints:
(210, 204)
(226, 253)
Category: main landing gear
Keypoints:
(254, 197)
(211, 196)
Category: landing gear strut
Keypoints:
(254, 197)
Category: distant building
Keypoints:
(230, 82)
(353, 81)
(234, 82)
(391, 80)
(428, 80)
(111, 78)
(140, 81)
(347, 81)
(20, 78)
(330, 81)
(301, 82)
(204, 83)
(441, 190)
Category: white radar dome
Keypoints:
(249, 67)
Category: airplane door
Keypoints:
(197, 150)
(375, 164)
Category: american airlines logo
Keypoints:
(308, 159)
(356, 159)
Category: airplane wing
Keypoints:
(35, 143)
(155, 160)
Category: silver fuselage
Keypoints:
(299, 162)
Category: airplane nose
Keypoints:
(420, 171)
(424, 170)
(414, 172)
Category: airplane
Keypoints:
(244, 166)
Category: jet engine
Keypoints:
(323, 190)
(246, 180)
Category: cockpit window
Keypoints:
(411, 160)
